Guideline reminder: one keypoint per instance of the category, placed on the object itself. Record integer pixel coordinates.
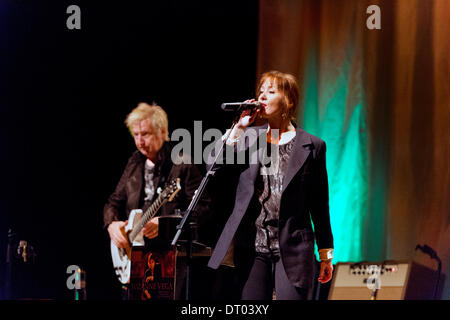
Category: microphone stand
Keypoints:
(197, 195)
(9, 267)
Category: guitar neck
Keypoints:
(149, 214)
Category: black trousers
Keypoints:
(267, 274)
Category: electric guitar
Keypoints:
(121, 257)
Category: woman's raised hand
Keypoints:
(247, 116)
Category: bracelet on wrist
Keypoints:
(325, 254)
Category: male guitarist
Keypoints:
(149, 168)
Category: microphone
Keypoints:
(241, 106)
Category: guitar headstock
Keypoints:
(172, 189)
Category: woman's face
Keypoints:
(274, 101)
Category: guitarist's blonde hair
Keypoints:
(155, 113)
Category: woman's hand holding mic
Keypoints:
(248, 116)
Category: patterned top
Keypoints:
(268, 191)
(149, 170)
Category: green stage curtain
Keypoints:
(380, 100)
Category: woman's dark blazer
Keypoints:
(304, 198)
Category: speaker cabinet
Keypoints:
(385, 281)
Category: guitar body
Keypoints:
(121, 257)
(148, 271)
(151, 274)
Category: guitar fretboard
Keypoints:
(147, 216)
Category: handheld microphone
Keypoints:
(241, 106)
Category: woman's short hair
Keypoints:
(286, 84)
(153, 112)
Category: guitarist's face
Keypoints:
(148, 140)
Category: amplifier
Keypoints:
(384, 281)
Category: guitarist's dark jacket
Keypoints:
(129, 193)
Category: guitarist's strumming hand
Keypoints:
(116, 232)
(150, 230)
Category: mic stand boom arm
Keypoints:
(193, 204)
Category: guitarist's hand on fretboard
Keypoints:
(150, 230)
(117, 233)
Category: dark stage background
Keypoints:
(65, 94)
(378, 97)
